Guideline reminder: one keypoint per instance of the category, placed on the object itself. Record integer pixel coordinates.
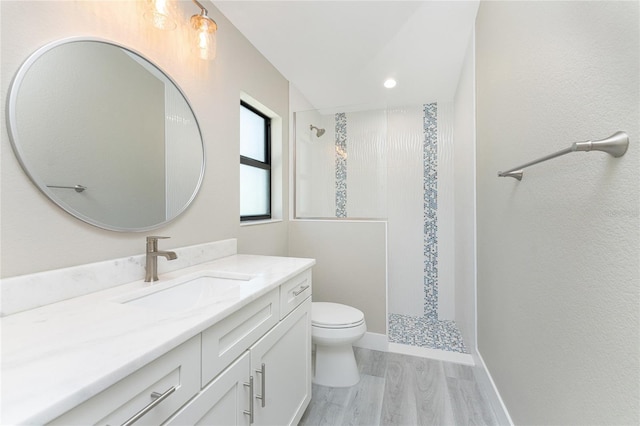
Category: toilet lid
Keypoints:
(335, 315)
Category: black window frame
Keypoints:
(263, 165)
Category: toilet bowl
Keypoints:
(334, 327)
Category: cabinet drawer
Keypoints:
(178, 368)
(294, 292)
(226, 340)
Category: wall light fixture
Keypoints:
(205, 36)
(161, 14)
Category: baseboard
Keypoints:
(447, 356)
(373, 341)
(379, 342)
(488, 387)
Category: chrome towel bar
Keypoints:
(615, 145)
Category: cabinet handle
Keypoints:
(263, 386)
(157, 399)
(299, 292)
(250, 412)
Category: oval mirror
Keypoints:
(105, 134)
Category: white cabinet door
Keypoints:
(222, 402)
(281, 365)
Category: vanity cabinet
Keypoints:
(157, 389)
(251, 367)
(281, 366)
(275, 373)
(223, 402)
(270, 384)
(230, 337)
(294, 291)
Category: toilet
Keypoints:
(334, 327)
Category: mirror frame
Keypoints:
(12, 131)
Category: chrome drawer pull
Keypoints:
(299, 292)
(250, 412)
(158, 398)
(263, 397)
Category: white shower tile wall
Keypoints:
(420, 324)
(428, 331)
(341, 164)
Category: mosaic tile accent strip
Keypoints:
(341, 164)
(430, 161)
(426, 333)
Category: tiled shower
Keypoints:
(392, 164)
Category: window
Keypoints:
(255, 164)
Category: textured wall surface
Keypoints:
(464, 204)
(558, 253)
(32, 224)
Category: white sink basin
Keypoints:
(190, 292)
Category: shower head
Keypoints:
(319, 132)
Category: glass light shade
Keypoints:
(204, 43)
(160, 13)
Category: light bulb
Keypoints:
(390, 83)
(160, 14)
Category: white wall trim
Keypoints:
(447, 356)
(260, 222)
(379, 342)
(490, 390)
(337, 219)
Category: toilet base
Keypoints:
(336, 366)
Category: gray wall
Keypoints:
(351, 264)
(464, 200)
(36, 235)
(558, 271)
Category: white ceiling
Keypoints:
(338, 53)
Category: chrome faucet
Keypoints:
(152, 258)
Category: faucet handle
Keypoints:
(152, 242)
(156, 238)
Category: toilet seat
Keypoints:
(335, 316)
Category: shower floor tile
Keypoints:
(426, 333)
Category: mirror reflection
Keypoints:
(106, 135)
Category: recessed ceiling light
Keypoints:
(390, 83)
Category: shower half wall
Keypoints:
(393, 165)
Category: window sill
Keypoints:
(260, 222)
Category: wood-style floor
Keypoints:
(397, 389)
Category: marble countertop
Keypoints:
(58, 356)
